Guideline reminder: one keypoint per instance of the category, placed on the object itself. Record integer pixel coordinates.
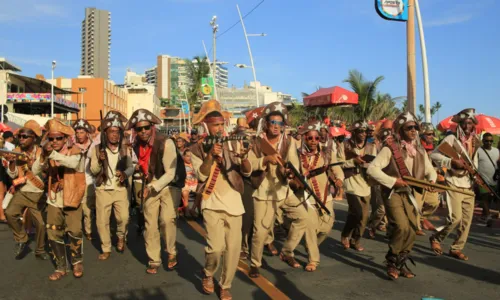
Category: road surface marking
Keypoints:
(265, 285)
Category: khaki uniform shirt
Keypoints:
(445, 162)
(112, 182)
(28, 187)
(224, 197)
(357, 184)
(272, 189)
(169, 161)
(67, 161)
(384, 158)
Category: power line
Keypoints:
(239, 21)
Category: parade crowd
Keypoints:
(246, 185)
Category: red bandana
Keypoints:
(144, 156)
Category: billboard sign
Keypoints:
(393, 10)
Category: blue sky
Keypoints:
(308, 43)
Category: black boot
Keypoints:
(391, 261)
(76, 249)
(403, 258)
(19, 250)
(58, 251)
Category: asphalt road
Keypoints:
(341, 275)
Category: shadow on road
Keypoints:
(138, 294)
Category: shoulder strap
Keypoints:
(484, 150)
(398, 158)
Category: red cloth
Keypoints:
(144, 156)
(427, 147)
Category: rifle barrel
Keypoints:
(422, 183)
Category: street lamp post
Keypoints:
(52, 91)
(250, 53)
(215, 28)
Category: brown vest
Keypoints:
(122, 157)
(25, 170)
(68, 180)
(258, 176)
(230, 166)
(418, 165)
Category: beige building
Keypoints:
(143, 96)
(96, 43)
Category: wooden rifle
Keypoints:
(19, 155)
(268, 149)
(438, 187)
(323, 169)
(453, 153)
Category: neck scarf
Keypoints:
(410, 148)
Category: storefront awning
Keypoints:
(33, 85)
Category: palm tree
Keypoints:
(197, 68)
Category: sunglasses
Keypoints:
(24, 136)
(139, 129)
(488, 141)
(310, 138)
(410, 128)
(58, 138)
(429, 134)
(279, 123)
(361, 131)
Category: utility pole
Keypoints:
(411, 63)
(423, 48)
(215, 28)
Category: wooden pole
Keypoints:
(411, 64)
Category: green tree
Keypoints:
(434, 109)
(197, 68)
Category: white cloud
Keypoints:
(449, 20)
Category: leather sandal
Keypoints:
(254, 272)
(290, 260)
(225, 294)
(393, 272)
(345, 242)
(243, 256)
(57, 275)
(88, 236)
(357, 246)
(458, 255)
(104, 256)
(436, 246)
(427, 225)
(120, 245)
(207, 283)
(382, 228)
(272, 249)
(420, 232)
(311, 267)
(407, 273)
(172, 261)
(152, 270)
(78, 270)
(371, 232)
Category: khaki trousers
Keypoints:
(317, 230)
(247, 217)
(402, 217)
(162, 205)
(377, 216)
(461, 209)
(35, 202)
(223, 238)
(61, 220)
(88, 204)
(265, 214)
(357, 216)
(428, 205)
(107, 200)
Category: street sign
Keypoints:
(185, 107)
(392, 10)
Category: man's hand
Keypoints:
(102, 155)
(400, 183)
(272, 159)
(121, 176)
(10, 157)
(146, 192)
(358, 160)
(339, 183)
(430, 188)
(457, 164)
(216, 150)
(47, 150)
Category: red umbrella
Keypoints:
(485, 123)
(338, 131)
(4, 127)
(333, 96)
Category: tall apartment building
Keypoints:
(221, 74)
(151, 75)
(171, 76)
(96, 43)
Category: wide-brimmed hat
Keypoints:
(310, 126)
(142, 115)
(383, 133)
(360, 124)
(114, 122)
(33, 126)
(184, 136)
(427, 128)
(254, 115)
(115, 114)
(277, 107)
(53, 126)
(82, 124)
(402, 119)
(206, 108)
(468, 113)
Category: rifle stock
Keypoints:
(321, 170)
(438, 187)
